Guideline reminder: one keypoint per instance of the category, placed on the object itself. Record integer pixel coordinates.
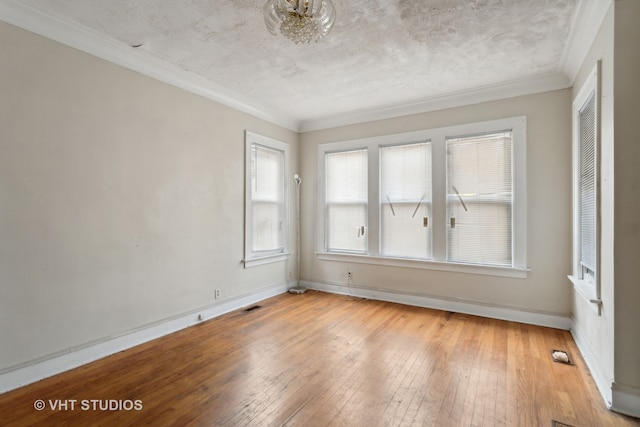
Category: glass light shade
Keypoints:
(301, 21)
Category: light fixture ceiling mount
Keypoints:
(301, 21)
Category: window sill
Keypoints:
(254, 262)
(588, 291)
(515, 272)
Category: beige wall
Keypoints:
(597, 331)
(546, 289)
(627, 197)
(121, 200)
(612, 340)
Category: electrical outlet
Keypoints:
(217, 293)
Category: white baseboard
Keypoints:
(618, 397)
(625, 399)
(551, 320)
(55, 364)
(598, 373)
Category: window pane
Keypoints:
(479, 199)
(267, 198)
(587, 183)
(405, 200)
(346, 201)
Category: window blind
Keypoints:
(480, 199)
(587, 183)
(346, 201)
(267, 199)
(405, 200)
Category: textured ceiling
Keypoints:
(380, 53)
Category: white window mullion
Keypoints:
(373, 214)
(439, 179)
(519, 208)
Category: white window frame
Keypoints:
(589, 289)
(250, 258)
(437, 137)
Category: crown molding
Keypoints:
(96, 44)
(529, 86)
(588, 19)
(585, 26)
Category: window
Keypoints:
(480, 199)
(346, 201)
(266, 207)
(405, 205)
(586, 145)
(449, 199)
(587, 188)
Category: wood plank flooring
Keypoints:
(328, 360)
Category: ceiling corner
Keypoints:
(89, 41)
(520, 87)
(588, 18)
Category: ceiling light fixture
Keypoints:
(301, 21)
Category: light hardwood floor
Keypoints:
(319, 359)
